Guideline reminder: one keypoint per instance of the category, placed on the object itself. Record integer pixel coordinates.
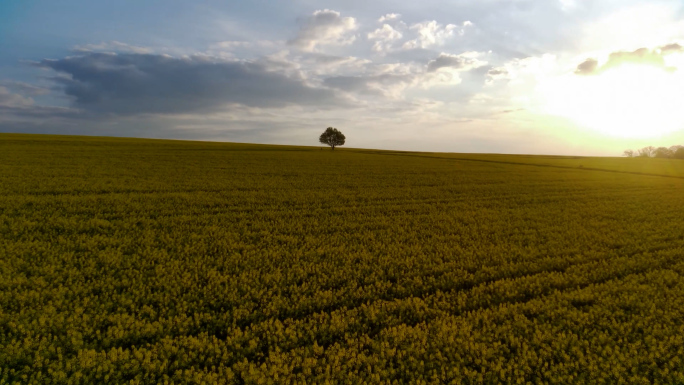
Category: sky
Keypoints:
(567, 77)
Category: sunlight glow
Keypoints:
(629, 101)
(648, 24)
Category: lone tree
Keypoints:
(332, 137)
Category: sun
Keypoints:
(629, 101)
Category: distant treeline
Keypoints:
(674, 152)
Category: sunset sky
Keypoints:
(518, 76)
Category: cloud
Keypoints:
(388, 17)
(324, 27)
(384, 36)
(587, 67)
(393, 81)
(387, 80)
(145, 83)
(463, 62)
(111, 46)
(24, 88)
(385, 33)
(29, 113)
(641, 56)
(510, 111)
(244, 49)
(9, 99)
(431, 33)
(495, 74)
(497, 71)
(480, 98)
(319, 63)
(230, 45)
(671, 48)
(387, 85)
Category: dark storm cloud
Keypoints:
(643, 56)
(146, 83)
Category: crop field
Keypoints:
(148, 261)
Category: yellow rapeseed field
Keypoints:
(144, 261)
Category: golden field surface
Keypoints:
(130, 261)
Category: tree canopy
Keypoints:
(332, 137)
(674, 152)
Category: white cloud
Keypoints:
(325, 27)
(384, 37)
(431, 33)
(9, 99)
(386, 32)
(388, 17)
